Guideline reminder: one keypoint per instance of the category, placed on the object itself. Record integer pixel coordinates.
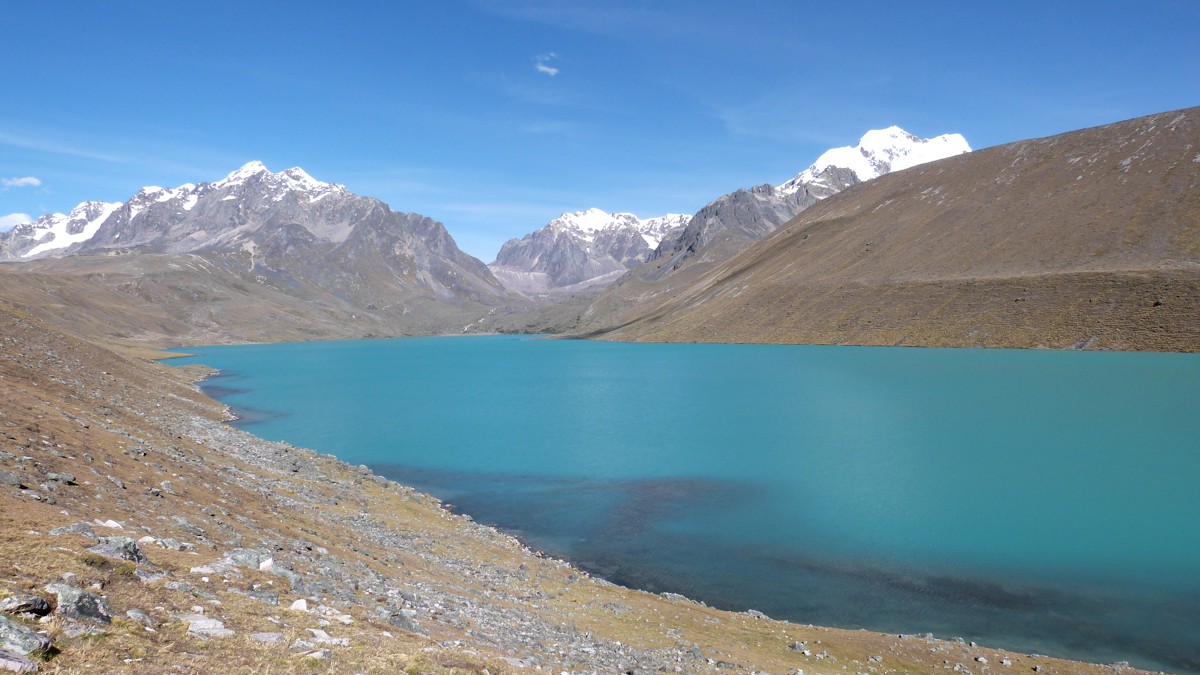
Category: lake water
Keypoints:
(1041, 501)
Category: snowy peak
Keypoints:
(294, 180)
(581, 248)
(878, 152)
(56, 230)
(587, 224)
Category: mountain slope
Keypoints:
(1089, 238)
(210, 262)
(581, 249)
(732, 223)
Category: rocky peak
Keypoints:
(878, 152)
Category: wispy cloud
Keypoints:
(542, 64)
(23, 181)
(12, 220)
(57, 148)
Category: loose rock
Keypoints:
(16, 663)
(21, 639)
(123, 548)
(25, 603)
(78, 604)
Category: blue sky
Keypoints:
(494, 117)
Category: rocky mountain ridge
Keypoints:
(581, 249)
(208, 261)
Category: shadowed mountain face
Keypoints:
(256, 256)
(1090, 238)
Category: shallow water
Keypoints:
(1036, 500)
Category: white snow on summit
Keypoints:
(85, 219)
(294, 179)
(878, 152)
(586, 224)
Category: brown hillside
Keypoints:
(1089, 238)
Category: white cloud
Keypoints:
(542, 64)
(12, 220)
(23, 181)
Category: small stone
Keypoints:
(59, 477)
(1037, 669)
(981, 659)
(318, 654)
(140, 617)
(268, 638)
(300, 605)
(8, 478)
(1006, 662)
(206, 627)
(25, 603)
(166, 487)
(117, 481)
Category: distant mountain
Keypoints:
(223, 255)
(1089, 239)
(55, 232)
(581, 249)
(593, 248)
(730, 224)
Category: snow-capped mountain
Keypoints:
(878, 152)
(744, 216)
(581, 249)
(287, 235)
(166, 218)
(55, 230)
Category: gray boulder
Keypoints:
(80, 605)
(206, 627)
(268, 638)
(244, 557)
(16, 663)
(123, 548)
(21, 639)
(25, 603)
(76, 528)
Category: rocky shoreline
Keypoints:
(140, 533)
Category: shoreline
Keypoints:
(246, 555)
(529, 545)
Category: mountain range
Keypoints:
(593, 248)
(256, 255)
(1084, 239)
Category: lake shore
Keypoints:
(214, 549)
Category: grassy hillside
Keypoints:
(1086, 239)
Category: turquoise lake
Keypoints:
(1042, 501)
